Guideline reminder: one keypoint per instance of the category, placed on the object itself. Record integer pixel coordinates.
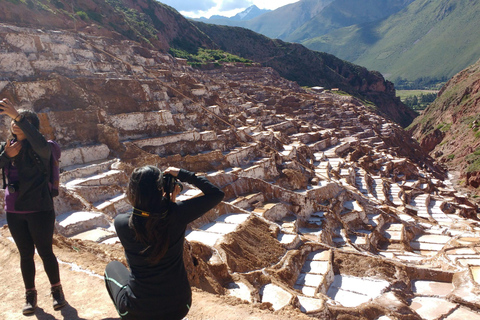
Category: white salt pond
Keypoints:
(352, 291)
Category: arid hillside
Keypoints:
(331, 211)
(159, 27)
(448, 128)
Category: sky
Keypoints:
(227, 8)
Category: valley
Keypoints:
(331, 210)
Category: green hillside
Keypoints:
(281, 22)
(344, 13)
(434, 39)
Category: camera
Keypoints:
(12, 187)
(169, 183)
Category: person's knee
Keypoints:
(27, 254)
(114, 267)
(46, 254)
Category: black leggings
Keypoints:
(116, 280)
(30, 230)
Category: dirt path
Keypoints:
(89, 300)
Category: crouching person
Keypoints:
(156, 287)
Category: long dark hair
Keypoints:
(150, 218)
(31, 117)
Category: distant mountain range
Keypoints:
(414, 41)
(247, 14)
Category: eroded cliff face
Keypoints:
(331, 210)
(448, 128)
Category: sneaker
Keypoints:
(30, 302)
(58, 297)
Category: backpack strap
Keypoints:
(4, 180)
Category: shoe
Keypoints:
(58, 297)
(30, 302)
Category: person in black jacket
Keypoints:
(153, 236)
(25, 161)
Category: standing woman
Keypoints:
(25, 160)
(153, 235)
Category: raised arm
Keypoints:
(194, 208)
(38, 142)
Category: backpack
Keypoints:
(54, 179)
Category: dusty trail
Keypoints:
(88, 299)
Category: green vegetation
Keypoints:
(417, 99)
(451, 156)
(444, 127)
(420, 43)
(204, 56)
(140, 25)
(83, 15)
(473, 160)
(422, 83)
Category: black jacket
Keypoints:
(34, 192)
(159, 288)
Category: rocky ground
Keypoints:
(81, 269)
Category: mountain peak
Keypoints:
(249, 13)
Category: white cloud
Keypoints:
(272, 4)
(227, 8)
(191, 5)
(227, 5)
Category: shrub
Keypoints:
(83, 15)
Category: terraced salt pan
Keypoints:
(431, 288)
(239, 290)
(394, 194)
(277, 296)
(110, 177)
(361, 183)
(353, 291)
(289, 241)
(308, 305)
(429, 243)
(432, 308)
(419, 202)
(314, 273)
(210, 233)
(378, 187)
(96, 235)
(463, 313)
(394, 232)
(475, 271)
(75, 222)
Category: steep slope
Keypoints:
(343, 13)
(276, 24)
(149, 22)
(310, 68)
(427, 39)
(449, 127)
(285, 20)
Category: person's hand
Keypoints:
(175, 193)
(13, 149)
(6, 107)
(172, 170)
